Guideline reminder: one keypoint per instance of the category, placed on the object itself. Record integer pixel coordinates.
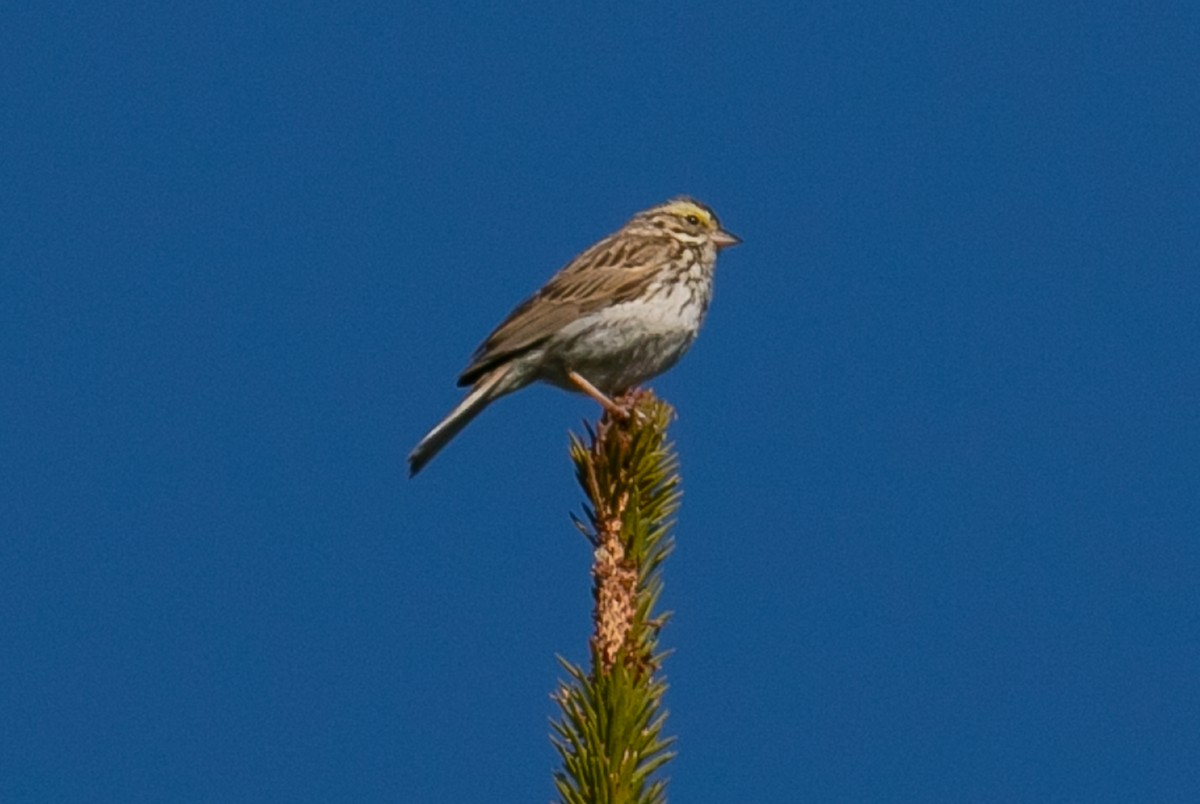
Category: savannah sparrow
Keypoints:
(618, 314)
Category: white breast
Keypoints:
(624, 345)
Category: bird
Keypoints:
(620, 313)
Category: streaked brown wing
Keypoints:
(614, 270)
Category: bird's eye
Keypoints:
(693, 220)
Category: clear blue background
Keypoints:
(940, 436)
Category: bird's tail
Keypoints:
(490, 387)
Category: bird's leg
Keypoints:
(615, 410)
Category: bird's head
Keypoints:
(687, 220)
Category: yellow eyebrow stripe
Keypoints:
(684, 208)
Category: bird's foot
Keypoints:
(620, 409)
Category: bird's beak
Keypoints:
(724, 239)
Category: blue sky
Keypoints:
(939, 436)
